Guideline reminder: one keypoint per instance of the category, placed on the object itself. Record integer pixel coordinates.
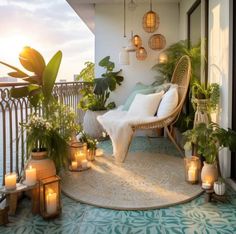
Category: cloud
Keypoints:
(51, 25)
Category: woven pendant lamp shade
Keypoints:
(151, 22)
(137, 41)
(157, 42)
(141, 53)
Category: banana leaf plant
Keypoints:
(40, 77)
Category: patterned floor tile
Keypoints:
(192, 217)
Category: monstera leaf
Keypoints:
(50, 75)
(106, 63)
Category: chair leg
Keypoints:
(130, 140)
(173, 141)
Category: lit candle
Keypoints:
(51, 202)
(30, 176)
(192, 174)
(206, 185)
(79, 157)
(84, 163)
(99, 152)
(74, 165)
(10, 181)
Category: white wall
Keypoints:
(220, 66)
(109, 40)
(184, 6)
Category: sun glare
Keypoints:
(11, 46)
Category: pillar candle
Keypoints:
(10, 181)
(192, 174)
(51, 202)
(74, 165)
(30, 176)
(84, 163)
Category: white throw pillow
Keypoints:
(145, 105)
(169, 102)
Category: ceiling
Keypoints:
(117, 1)
(85, 9)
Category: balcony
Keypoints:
(154, 189)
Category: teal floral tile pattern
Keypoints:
(192, 217)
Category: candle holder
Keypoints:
(78, 152)
(91, 154)
(192, 169)
(50, 197)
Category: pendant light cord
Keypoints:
(151, 5)
(124, 18)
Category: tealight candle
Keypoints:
(206, 185)
(74, 165)
(99, 152)
(79, 157)
(30, 176)
(10, 181)
(51, 202)
(84, 163)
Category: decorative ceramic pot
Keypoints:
(209, 173)
(91, 154)
(91, 126)
(45, 167)
(219, 188)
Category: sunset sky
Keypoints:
(47, 26)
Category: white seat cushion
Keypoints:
(145, 105)
(168, 103)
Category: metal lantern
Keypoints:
(192, 169)
(141, 53)
(157, 42)
(50, 197)
(137, 41)
(151, 20)
(78, 152)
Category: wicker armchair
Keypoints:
(181, 77)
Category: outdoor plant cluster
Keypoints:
(95, 97)
(53, 130)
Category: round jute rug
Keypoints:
(144, 181)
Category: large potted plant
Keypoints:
(210, 139)
(53, 129)
(95, 102)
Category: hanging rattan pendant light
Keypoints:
(137, 41)
(151, 20)
(141, 53)
(157, 42)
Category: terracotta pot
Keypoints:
(45, 167)
(219, 188)
(209, 173)
(91, 126)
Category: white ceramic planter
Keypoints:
(219, 188)
(91, 126)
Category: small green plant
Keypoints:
(210, 138)
(96, 100)
(85, 138)
(210, 92)
(51, 133)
